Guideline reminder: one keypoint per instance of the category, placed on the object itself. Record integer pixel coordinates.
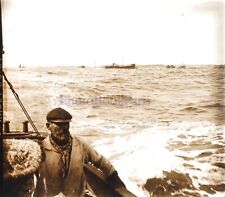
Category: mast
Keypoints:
(1, 100)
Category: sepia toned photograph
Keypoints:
(112, 98)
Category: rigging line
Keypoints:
(21, 104)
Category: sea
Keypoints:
(163, 128)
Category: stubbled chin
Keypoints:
(61, 139)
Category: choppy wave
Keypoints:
(190, 109)
(171, 184)
(124, 99)
(214, 105)
(178, 184)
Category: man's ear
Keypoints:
(47, 124)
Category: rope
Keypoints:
(21, 104)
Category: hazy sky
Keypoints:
(98, 32)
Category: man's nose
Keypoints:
(64, 127)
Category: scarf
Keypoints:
(64, 151)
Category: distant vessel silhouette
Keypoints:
(170, 66)
(130, 66)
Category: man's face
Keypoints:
(59, 132)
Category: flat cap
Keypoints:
(58, 115)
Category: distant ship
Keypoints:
(172, 66)
(130, 66)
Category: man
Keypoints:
(65, 156)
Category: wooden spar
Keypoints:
(1, 100)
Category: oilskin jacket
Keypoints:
(50, 182)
